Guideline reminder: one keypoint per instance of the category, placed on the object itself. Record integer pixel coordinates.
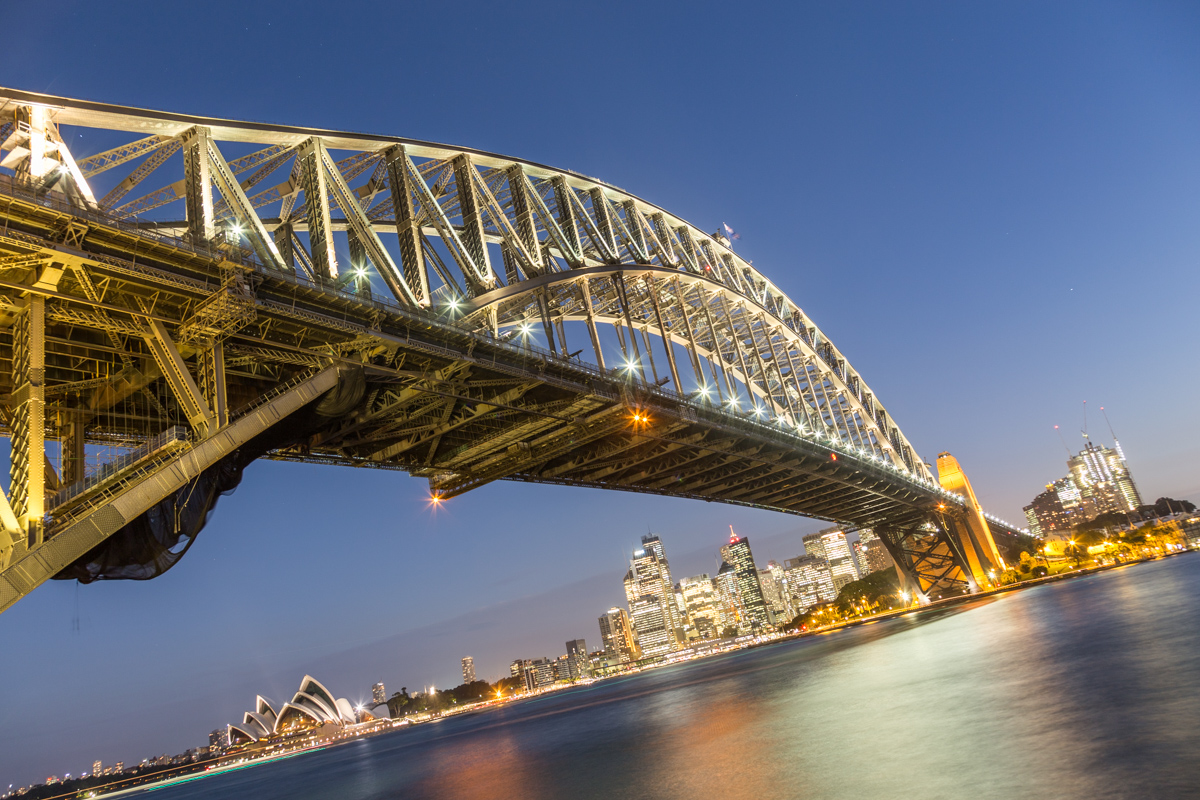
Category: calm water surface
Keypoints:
(1085, 689)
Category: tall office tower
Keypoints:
(771, 594)
(814, 545)
(731, 613)
(617, 635)
(841, 560)
(781, 581)
(645, 580)
(378, 693)
(859, 550)
(650, 626)
(878, 557)
(577, 652)
(702, 604)
(811, 580)
(866, 536)
(468, 668)
(97, 767)
(1102, 475)
(737, 553)
(654, 544)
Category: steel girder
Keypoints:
(145, 330)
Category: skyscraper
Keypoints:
(617, 635)
(1102, 475)
(737, 554)
(700, 600)
(645, 582)
(652, 543)
(837, 553)
(731, 613)
(468, 669)
(810, 581)
(648, 615)
(771, 579)
(814, 545)
(378, 693)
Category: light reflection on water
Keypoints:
(1084, 689)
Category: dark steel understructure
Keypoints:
(366, 301)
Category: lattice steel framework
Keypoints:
(284, 261)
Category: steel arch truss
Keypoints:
(263, 271)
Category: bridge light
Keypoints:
(361, 272)
(833, 456)
(526, 328)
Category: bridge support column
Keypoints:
(197, 182)
(929, 561)
(27, 473)
(129, 494)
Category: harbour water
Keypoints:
(1088, 688)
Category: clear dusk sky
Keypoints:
(992, 208)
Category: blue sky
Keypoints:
(990, 208)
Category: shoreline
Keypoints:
(243, 761)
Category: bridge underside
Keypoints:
(141, 372)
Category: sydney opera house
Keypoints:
(312, 706)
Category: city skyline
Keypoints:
(996, 200)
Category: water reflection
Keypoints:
(1083, 689)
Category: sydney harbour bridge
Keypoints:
(198, 293)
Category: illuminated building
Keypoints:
(878, 557)
(577, 652)
(617, 636)
(1102, 476)
(644, 581)
(810, 581)
(771, 579)
(97, 767)
(837, 553)
(468, 669)
(517, 668)
(542, 672)
(650, 626)
(1098, 481)
(814, 545)
(311, 707)
(654, 544)
(1059, 509)
(732, 615)
(702, 604)
(378, 693)
(750, 595)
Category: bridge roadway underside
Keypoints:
(126, 315)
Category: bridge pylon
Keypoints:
(971, 525)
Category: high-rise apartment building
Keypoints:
(617, 635)
(1102, 475)
(97, 768)
(378, 693)
(517, 668)
(737, 553)
(468, 669)
(1098, 481)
